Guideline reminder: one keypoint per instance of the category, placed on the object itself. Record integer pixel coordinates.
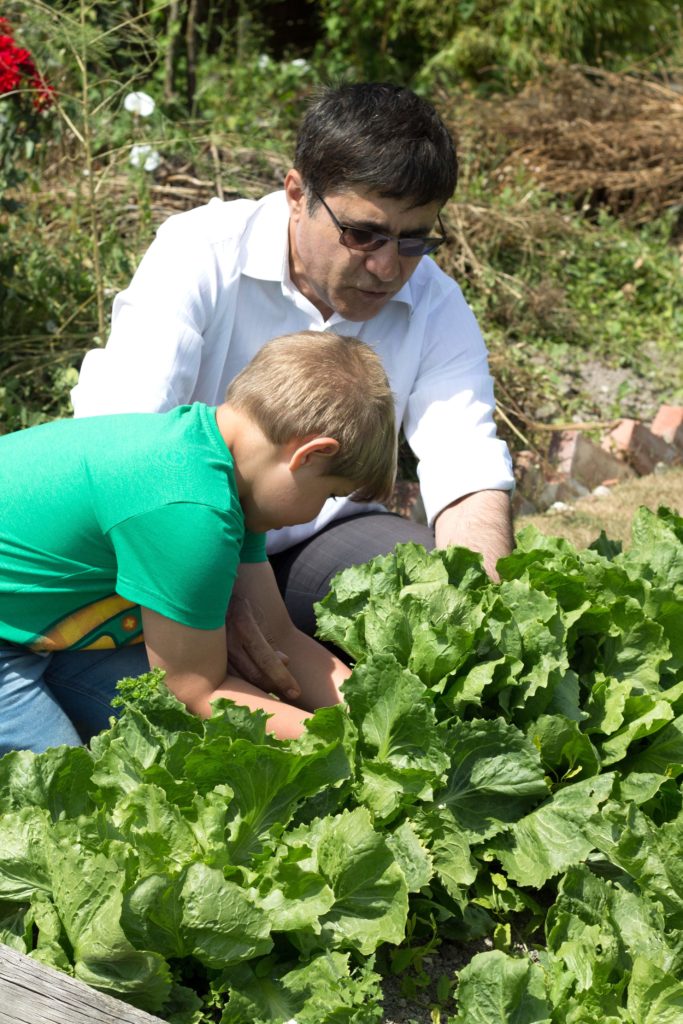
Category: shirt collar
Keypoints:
(266, 240)
(266, 245)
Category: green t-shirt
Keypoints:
(101, 515)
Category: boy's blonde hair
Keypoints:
(327, 385)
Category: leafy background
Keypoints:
(566, 223)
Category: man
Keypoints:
(343, 248)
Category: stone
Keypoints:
(528, 472)
(521, 506)
(571, 489)
(407, 501)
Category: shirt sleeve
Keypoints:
(449, 414)
(152, 358)
(180, 560)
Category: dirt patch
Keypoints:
(435, 980)
(595, 390)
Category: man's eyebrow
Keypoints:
(382, 229)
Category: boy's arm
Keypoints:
(196, 661)
(317, 671)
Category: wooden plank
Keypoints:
(31, 993)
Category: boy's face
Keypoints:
(280, 496)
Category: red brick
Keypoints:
(668, 424)
(579, 459)
(640, 447)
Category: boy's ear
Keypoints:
(307, 451)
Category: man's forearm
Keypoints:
(481, 521)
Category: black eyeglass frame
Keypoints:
(377, 239)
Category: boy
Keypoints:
(123, 537)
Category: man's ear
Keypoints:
(308, 451)
(294, 190)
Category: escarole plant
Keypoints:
(507, 763)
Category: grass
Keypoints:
(583, 520)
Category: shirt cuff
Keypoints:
(490, 471)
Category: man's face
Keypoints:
(357, 285)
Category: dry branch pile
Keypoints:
(603, 138)
(179, 183)
(600, 137)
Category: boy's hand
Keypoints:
(251, 655)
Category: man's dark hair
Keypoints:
(379, 138)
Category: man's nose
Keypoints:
(384, 263)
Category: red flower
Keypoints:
(18, 70)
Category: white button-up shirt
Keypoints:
(214, 286)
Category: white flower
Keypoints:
(299, 62)
(263, 60)
(153, 161)
(144, 156)
(139, 103)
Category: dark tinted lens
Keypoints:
(367, 241)
(418, 246)
(414, 246)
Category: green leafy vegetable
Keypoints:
(508, 762)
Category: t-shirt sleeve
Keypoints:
(254, 547)
(180, 560)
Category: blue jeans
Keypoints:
(64, 697)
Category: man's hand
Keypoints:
(251, 655)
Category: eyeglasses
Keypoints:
(369, 241)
